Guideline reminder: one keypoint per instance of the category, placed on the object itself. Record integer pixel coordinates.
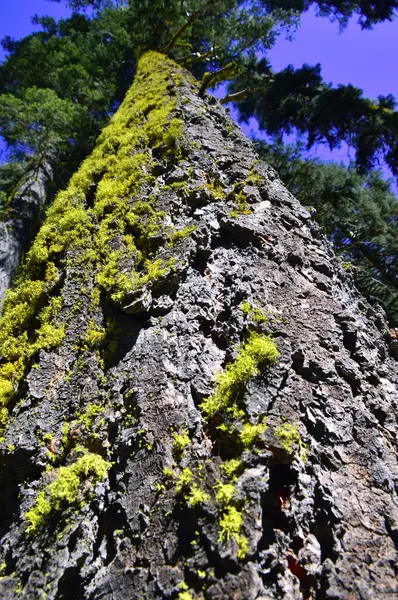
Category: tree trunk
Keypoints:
(19, 223)
(197, 402)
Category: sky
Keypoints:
(367, 59)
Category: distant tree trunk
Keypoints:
(197, 403)
(19, 222)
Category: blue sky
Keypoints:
(366, 59)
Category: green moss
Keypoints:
(113, 333)
(65, 490)
(243, 547)
(94, 336)
(288, 435)
(258, 316)
(250, 434)
(48, 336)
(196, 496)
(231, 468)
(254, 177)
(347, 266)
(231, 526)
(231, 519)
(225, 493)
(227, 401)
(115, 232)
(143, 441)
(65, 434)
(212, 78)
(88, 417)
(242, 207)
(181, 441)
(184, 594)
(180, 234)
(246, 308)
(257, 352)
(18, 344)
(118, 285)
(216, 190)
(201, 574)
(185, 485)
(184, 480)
(47, 437)
(167, 472)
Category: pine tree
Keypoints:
(196, 402)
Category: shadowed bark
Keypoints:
(19, 223)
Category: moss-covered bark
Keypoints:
(192, 393)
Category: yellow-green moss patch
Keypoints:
(231, 468)
(196, 496)
(184, 480)
(257, 352)
(66, 490)
(225, 493)
(289, 437)
(250, 434)
(231, 526)
(181, 441)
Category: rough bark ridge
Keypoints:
(129, 469)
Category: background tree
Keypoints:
(369, 12)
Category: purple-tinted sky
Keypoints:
(366, 59)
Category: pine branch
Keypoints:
(210, 79)
(241, 95)
(171, 43)
(373, 259)
(192, 60)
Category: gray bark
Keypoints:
(18, 224)
(324, 527)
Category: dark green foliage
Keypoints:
(80, 68)
(298, 100)
(82, 4)
(369, 12)
(89, 60)
(359, 213)
(37, 121)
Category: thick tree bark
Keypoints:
(158, 445)
(19, 223)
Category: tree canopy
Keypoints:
(59, 86)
